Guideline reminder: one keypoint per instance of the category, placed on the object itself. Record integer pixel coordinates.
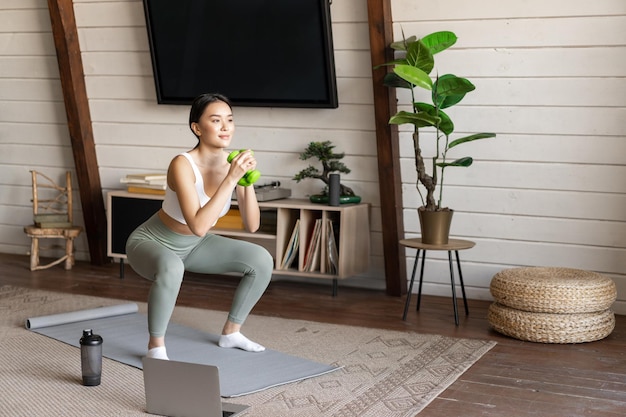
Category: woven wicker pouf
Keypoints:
(552, 305)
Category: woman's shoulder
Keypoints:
(183, 156)
(180, 162)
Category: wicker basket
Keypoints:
(549, 327)
(553, 290)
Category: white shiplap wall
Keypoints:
(550, 190)
(33, 125)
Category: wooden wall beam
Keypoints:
(72, 77)
(390, 184)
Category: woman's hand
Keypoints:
(243, 160)
(246, 196)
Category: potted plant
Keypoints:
(411, 72)
(331, 162)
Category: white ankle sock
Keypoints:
(237, 340)
(158, 353)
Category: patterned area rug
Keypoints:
(385, 373)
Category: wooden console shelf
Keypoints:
(349, 223)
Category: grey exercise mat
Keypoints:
(125, 334)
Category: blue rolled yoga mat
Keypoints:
(125, 334)
(82, 315)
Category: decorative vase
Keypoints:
(435, 226)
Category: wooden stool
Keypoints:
(52, 217)
(453, 245)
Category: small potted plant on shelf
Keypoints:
(331, 163)
(411, 72)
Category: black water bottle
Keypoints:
(91, 358)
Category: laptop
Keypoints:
(182, 389)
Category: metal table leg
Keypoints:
(456, 312)
(408, 295)
(419, 290)
(458, 264)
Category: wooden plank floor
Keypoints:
(514, 379)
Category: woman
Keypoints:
(177, 238)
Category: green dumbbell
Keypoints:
(249, 177)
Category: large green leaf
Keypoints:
(402, 45)
(439, 41)
(449, 89)
(417, 119)
(461, 162)
(392, 80)
(470, 138)
(425, 107)
(419, 56)
(445, 123)
(394, 62)
(414, 75)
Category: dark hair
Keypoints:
(200, 103)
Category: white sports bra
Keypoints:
(171, 206)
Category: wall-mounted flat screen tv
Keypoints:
(264, 53)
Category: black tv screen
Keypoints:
(276, 53)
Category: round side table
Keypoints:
(453, 245)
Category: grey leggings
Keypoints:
(157, 253)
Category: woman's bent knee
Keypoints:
(263, 261)
(156, 263)
(169, 272)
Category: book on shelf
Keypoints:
(154, 186)
(292, 249)
(146, 177)
(153, 183)
(332, 253)
(231, 220)
(51, 220)
(306, 246)
(50, 217)
(312, 257)
(140, 189)
(53, 225)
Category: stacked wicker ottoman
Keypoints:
(552, 305)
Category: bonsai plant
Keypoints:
(331, 162)
(411, 72)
